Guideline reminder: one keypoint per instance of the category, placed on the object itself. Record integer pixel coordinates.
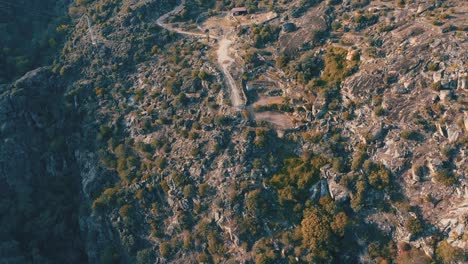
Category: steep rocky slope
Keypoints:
(40, 183)
(351, 147)
(40, 178)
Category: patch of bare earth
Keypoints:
(279, 120)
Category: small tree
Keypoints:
(401, 3)
(203, 75)
(340, 223)
(203, 189)
(165, 249)
(446, 177)
(414, 225)
(410, 134)
(315, 229)
(125, 211)
(379, 111)
(432, 66)
(437, 86)
(380, 178)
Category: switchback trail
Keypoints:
(224, 59)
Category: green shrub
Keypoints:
(164, 185)
(336, 66)
(419, 169)
(63, 70)
(263, 34)
(437, 86)
(336, 25)
(449, 28)
(203, 75)
(181, 100)
(446, 177)
(340, 223)
(257, 164)
(261, 137)
(203, 189)
(193, 135)
(447, 254)
(173, 86)
(281, 61)
(165, 250)
(321, 228)
(358, 199)
(195, 151)
(379, 178)
(316, 229)
(379, 111)
(359, 3)
(139, 95)
(358, 160)
(215, 244)
(105, 200)
(189, 191)
(313, 137)
(258, 202)
(414, 225)
(307, 67)
(222, 120)
(125, 211)
(180, 179)
(204, 258)
(339, 165)
(294, 180)
(410, 134)
(365, 19)
(432, 66)
(155, 50)
(160, 163)
(157, 143)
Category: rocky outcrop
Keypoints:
(454, 224)
(310, 26)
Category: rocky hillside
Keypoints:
(40, 196)
(346, 141)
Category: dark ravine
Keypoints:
(33, 32)
(49, 171)
(39, 175)
(40, 182)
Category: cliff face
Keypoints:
(39, 177)
(50, 171)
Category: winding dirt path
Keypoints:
(224, 58)
(225, 61)
(162, 23)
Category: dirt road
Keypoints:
(162, 23)
(224, 59)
